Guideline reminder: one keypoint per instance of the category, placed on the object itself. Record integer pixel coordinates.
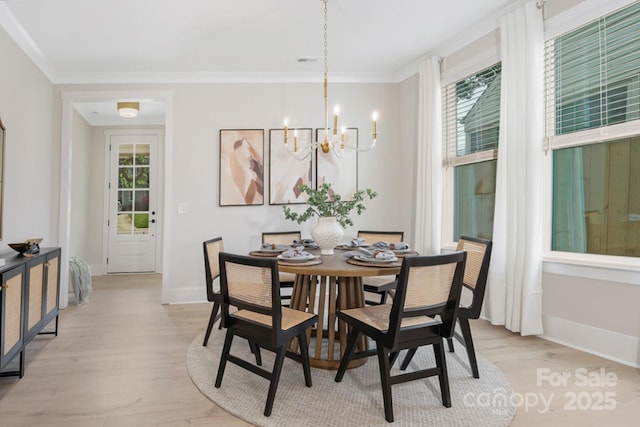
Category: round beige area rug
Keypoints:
(357, 400)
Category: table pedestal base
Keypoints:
(326, 295)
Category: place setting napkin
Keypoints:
(371, 254)
(353, 243)
(274, 247)
(307, 243)
(269, 250)
(397, 246)
(296, 254)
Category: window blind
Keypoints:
(593, 74)
(471, 112)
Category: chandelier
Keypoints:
(333, 139)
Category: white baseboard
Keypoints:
(185, 295)
(98, 270)
(614, 346)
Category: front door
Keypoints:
(132, 202)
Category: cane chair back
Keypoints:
(280, 237)
(370, 237)
(476, 271)
(423, 312)
(211, 249)
(475, 279)
(380, 285)
(251, 285)
(283, 238)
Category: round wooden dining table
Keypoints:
(325, 288)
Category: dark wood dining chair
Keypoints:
(251, 284)
(283, 238)
(211, 249)
(428, 286)
(475, 280)
(380, 285)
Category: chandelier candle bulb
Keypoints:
(374, 117)
(336, 112)
(295, 140)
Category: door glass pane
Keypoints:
(142, 154)
(124, 223)
(125, 154)
(125, 177)
(142, 177)
(475, 194)
(141, 223)
(142, 200)
(124, 200)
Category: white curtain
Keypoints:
(514, 293)
(428, 230)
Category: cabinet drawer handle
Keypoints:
(4, 286)
(47, 264)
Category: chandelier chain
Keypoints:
(326, 49)
(326, 72)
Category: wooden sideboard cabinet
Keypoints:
(29, 295)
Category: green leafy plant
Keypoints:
(325, 202)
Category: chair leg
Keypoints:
(385, 380)
(275, 379)
(450, 343)
(255, 349)
(354, 335)
(383, 297)
(443, 376)
(393, 357)
(212, 320)
(407, 358)
(304, 353)
(468, 343)
(223, 358)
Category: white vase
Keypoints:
(327, 233)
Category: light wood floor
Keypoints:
(119, 360)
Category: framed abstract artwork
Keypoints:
(339, 169)
(241, 167)
(287, 171)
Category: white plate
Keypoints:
(369, 259)
(297, 259)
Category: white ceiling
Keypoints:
(138, 41)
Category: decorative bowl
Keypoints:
(30, 246)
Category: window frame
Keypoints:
(586, 137)
(450, 163)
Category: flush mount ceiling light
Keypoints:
(128, 109)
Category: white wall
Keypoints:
(201, 110)
(30, 186)
(80, 188)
